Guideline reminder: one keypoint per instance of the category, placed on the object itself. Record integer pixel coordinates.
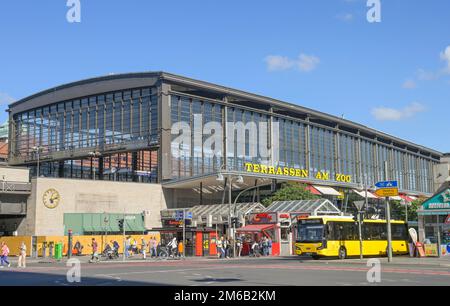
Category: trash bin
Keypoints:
(58, 250)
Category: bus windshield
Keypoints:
(308, 233)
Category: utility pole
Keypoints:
(388, 218)
(184, 232)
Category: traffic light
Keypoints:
(121, 224)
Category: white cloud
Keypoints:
(409, 84)
(392, 114)
(6, 99)
(277, 62)
(347, 17)
(423, 75)
(303, 62)
(445, 56)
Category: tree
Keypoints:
(399, 211)
(290, 192)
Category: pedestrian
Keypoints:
(143, 248)
(270, 246)
(154, 246)
(219, 247)
(180, 248)
(22, 255)
(4, 253)
(173, 245)
(127, 247)
(134, 248)
(265, 246)
(94, 247)
(254, 251)
(238, 246)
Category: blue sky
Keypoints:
(393, 76)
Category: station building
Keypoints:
(143, 143)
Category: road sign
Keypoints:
(359, 204)
(387, 184)
(387, 192)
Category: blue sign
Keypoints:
(189, 215)
(387, 184)
(448, 248)
(179, 215)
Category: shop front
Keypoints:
(260, 226)
(199, 241)
(434, 223)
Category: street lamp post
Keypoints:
(240, 180)
(94, 155)
(37, 150)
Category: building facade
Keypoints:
(160, 128)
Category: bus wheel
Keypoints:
(342, 253)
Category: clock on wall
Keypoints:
(51, 198)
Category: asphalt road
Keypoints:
(233, 272)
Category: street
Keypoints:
(284, 271)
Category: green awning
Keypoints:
(135, 225)
(89, 228)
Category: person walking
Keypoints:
(4, 253)
(173, 245)
(22, 255)
(143, 248)
(154, 247)
(219, 247)
(94, 247)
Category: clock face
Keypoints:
(51, 198)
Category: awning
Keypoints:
(406, 198)
(312, 190)
(327, 190)
(134, 225)
(396, 198)
(255, 228)
(363, 194)
(413, 197)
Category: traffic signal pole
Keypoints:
(388, 219)
(360, 236)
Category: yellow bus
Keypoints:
(336, 236)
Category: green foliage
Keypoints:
(399, 212)
(290, 192)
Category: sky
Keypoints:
(392, 75)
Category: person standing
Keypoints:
(143, 248)
(127, 247)
(4, 253)
(219, 247)
(22, 255)
(238, 246)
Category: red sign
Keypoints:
(285, 216)
(302, 217)
(263, 218)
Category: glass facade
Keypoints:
(93, 124)
(300, 145)
(123, 127)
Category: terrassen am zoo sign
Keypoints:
(294, 172)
